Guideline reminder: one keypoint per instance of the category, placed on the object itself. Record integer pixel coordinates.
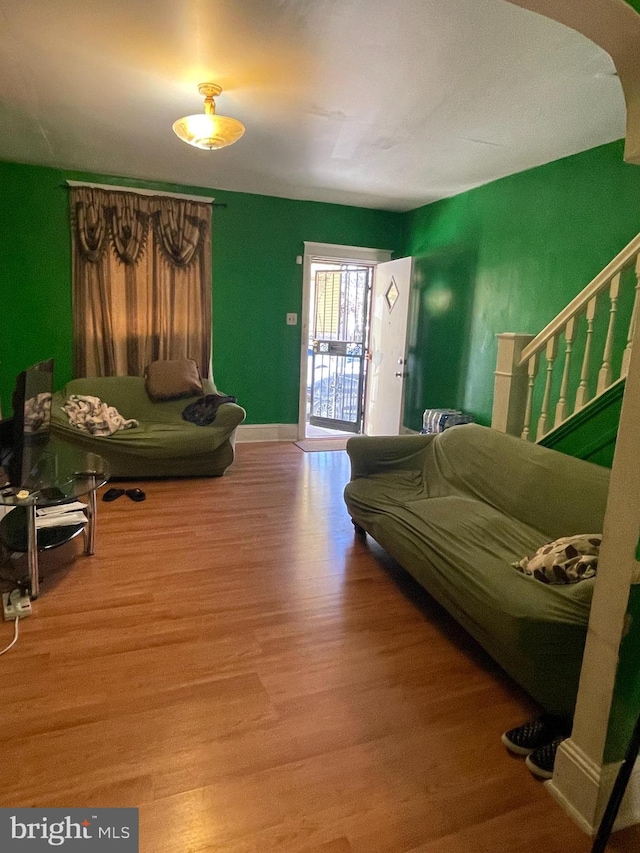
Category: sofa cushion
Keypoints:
(567, 560)
(171, 380)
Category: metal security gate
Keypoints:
(338, 348)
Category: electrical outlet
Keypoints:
(15, 605)
(292, 319)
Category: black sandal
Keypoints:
(112, 495)
(136, 495)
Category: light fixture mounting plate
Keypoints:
(209, 90)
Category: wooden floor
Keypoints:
(254, 678)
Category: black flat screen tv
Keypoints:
(31, 422)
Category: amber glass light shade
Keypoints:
(208, 130)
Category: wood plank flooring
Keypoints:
(254, 678)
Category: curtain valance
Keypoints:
(123, 220)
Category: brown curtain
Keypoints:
(141, 281)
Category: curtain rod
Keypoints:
(201, 198)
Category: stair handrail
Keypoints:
(532, 409)
(578, 303)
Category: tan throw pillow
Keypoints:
(170, 380)
(567, 560)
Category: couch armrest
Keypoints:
(229, 416)
(373, 454)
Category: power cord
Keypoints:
(15, 636)
(16, 606)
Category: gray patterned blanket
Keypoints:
(90, 414)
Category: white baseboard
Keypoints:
(582, 788)
(267, 432)
(576, 784)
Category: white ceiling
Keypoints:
(363, 102)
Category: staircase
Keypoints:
(563, 388)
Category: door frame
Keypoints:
(334, 253)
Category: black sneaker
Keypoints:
(534, 734)
(541, 760)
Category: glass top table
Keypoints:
(54, 473)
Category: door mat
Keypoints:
(312, 445)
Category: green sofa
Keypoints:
(455, 509)
(164, 445)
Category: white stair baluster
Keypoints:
(561, 408)
(582, 396)
(551, 350)
(604, 376)
(517, 407)
(532, 370)
(626, 356)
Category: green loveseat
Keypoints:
(455, 509)
(164, 445)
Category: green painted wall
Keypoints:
(506, 257)
(256, 280)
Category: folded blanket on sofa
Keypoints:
(90, 414)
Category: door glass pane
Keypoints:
(337, 348)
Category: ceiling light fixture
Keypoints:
(208, 130)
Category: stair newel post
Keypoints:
(510, 384)
(582, 395)
(626, 356)
(532, 372)
(604, 376)
(561, 408)
(551, 352)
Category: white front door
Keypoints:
(387, 343)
